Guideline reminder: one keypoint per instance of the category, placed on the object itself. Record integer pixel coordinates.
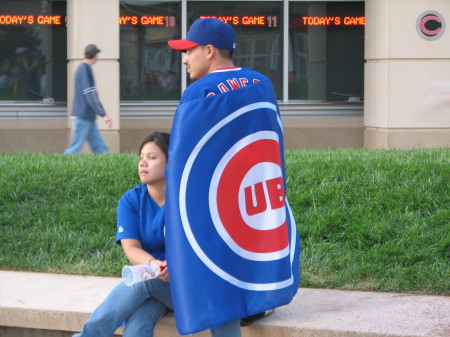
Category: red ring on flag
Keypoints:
(246, 237)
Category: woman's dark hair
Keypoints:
(159, 138)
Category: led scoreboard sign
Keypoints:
(333, 20)
(166, 21)
(247, 20)
(31, 19)
(169, 21)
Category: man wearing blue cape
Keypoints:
(231, 242)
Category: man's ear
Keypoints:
(210, 51)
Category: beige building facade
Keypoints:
(406, 101)
(407, 75)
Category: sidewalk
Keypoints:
(63, 303)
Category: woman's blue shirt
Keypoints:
(139, 217)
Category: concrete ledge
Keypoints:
(51, 302)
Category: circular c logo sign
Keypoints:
(430, 25)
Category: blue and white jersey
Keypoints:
(221, 81)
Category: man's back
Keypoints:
(222, 81)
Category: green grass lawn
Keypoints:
(369, 219)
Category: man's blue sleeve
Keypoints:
(90, 92)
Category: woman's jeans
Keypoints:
(141, 305)
(86, 131)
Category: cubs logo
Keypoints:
(232, 202)
(430, 25)
(247, 198)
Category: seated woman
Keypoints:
(140, 231)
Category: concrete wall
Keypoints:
(52, 135)
(28, 135)
(406, 77)
(299, 132)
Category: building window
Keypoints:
(325, 46)
(258, 26)
(31, 68)
(149, 68)
(326, 54)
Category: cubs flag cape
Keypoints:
(231, 242)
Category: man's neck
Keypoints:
(90, 61)
(221, 64)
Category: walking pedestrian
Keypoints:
(86, 106)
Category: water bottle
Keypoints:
(140, 272)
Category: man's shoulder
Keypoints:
(84, 66)
(233, 72)
(222, 81)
